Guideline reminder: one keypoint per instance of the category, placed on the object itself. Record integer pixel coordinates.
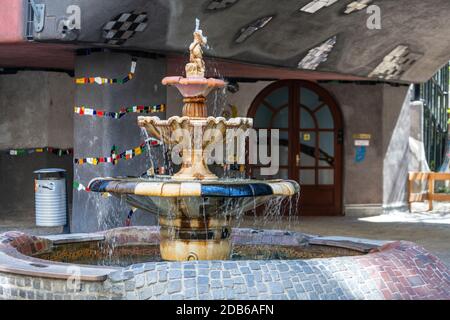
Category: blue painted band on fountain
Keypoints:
(236, 190)
(172, 188)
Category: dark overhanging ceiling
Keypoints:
(414, 34)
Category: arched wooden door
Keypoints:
(310, 125)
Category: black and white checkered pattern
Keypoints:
(396, 63)
(124, 26)
(317, 55)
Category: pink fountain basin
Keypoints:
(193, 86)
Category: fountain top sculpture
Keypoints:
(195, 87)
(196, 66)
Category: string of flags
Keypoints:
(80, 187)
(103, 81)
(85, 111)
(115, 156)
(57, 151)
(156, 171)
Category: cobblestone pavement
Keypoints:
(25, 222)
(434, 237)
(400, 270)
(394, 270)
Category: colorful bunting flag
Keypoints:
(86, 111)
(80, 187)
(103, 81)
(115, 156)
(24, 151)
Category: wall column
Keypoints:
(396, 132)
(95, 136)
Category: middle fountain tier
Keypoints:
(194, 206)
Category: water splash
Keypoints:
(199, 31)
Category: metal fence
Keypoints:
(434, 94)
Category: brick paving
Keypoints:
(399, 270)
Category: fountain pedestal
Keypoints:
(195, 239)
(195, 107)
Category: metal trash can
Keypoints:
(50, 197)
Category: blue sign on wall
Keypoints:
(360, 154)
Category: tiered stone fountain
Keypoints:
(195, 207)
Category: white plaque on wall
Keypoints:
(362, 143)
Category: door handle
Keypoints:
(297, 159)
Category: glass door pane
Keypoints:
(307, 177)
(307, 156)
(326, 149)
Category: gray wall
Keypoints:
(361, 107)
(94, 137)
(382, 111)
(36, 110)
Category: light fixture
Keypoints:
(317, 55)
(220, 4)
(395, 64)
(250, 29)
(233, 86)
(316, 5)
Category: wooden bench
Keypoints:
(429, 195)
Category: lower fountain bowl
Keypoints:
(195, 216)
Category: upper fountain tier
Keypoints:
(194, 88)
